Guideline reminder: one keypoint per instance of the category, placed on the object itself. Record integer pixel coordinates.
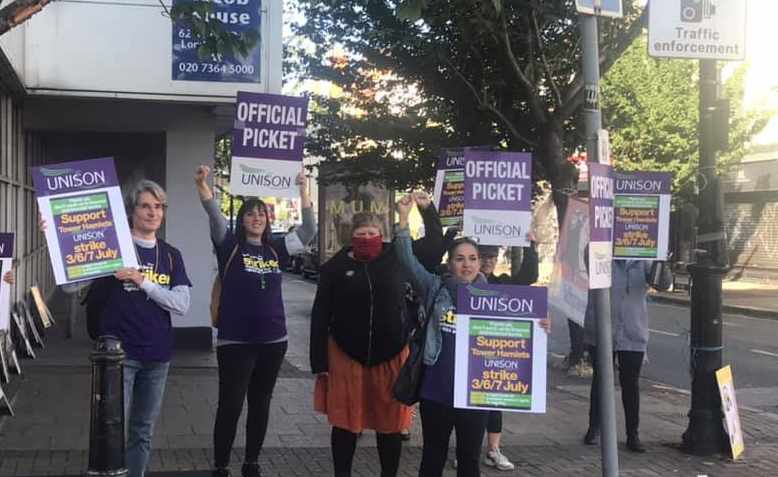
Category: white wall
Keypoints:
(122, 48)
(189, 144)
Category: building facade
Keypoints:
(118, 79)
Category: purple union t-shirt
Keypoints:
(142, 325)
(252, 307)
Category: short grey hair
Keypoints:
(144, 185)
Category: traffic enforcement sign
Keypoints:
(607, 8)
(697, 29)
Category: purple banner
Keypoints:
(498, 180)
(643, 182)
(76, 176)
(512, 301)
(601, 202)
(269, 126)
(6, 246)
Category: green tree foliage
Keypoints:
(504, 73)
(651, 108)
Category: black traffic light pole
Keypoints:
(705, 434)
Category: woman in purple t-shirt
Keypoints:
(252, 338)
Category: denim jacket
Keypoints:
(430, 286)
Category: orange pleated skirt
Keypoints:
(355, 397)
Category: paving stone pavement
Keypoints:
(49, 434)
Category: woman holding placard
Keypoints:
(252, 339)
(438, 415)
(631, 280)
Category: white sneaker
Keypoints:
(495, 458)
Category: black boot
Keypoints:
(250, 469)
(592, 436)
(220, 472)
(634, 444)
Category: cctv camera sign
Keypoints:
(697, 29)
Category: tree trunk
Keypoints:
(560, 172)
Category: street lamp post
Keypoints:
(705, 433)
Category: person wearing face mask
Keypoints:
(358, 340)
(252, 338)
(438, 415)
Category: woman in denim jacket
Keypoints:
(438, 415)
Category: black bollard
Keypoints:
(106, 428)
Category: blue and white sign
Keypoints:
(604, 8)
(238, 16)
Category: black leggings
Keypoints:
(437, 422)
(245, 369)
(494, 422)
(630, 363)
(344, 443)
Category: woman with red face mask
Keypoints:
(358, 341)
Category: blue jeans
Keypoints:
(144, 387)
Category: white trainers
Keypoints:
(495, 458)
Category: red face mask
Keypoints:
(367, 249)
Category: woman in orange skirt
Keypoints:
(358, 343)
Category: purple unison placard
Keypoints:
(452, 159)
(601, 202)
(643, 182)
(498, 180)
(511, 301)
(269, 126)
(500, 362)
(642, 206)
(6, 246)
(74, 176)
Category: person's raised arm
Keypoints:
(428, 249)
(423, 280)
(216, 220)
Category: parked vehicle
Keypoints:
(310, 259)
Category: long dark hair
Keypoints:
(248, 205)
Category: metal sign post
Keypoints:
(601, 297)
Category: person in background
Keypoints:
(526, 275)
(438, 415)
(136, 306)
(629, 313)
(252, 338)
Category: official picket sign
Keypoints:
(498, 197)
(236, 17)
(87, 234)
(601, 225)
(6, 262)
(642, 215)
(500, 360)
(267, 144)
(449, 192)
(697, 29)
(568, 290)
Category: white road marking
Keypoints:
(766, 353)
(660, 332)
(557, 355)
